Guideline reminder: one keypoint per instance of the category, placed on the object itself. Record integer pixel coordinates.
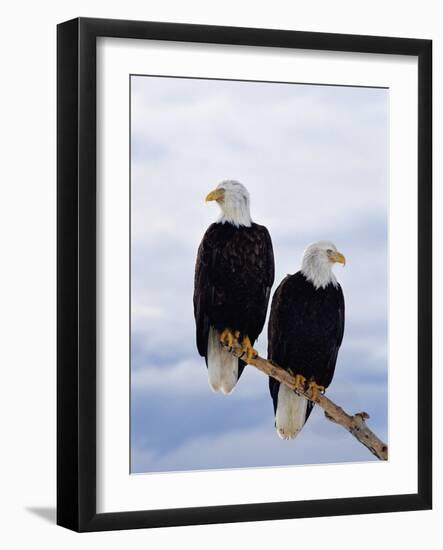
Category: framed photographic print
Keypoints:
(244, 274)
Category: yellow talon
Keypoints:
(300, 380)
(247, 349)
(315, 389)
(227, 338)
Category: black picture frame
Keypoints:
(76, 279)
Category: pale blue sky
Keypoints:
(314, 159)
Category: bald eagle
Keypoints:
(234, 274)
(305, 332)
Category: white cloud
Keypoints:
(181, 377)
(259, 446)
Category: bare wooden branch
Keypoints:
(355, 424)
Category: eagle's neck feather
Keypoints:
(318, 272)
(237, 214)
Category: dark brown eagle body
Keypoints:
(233, 277)
(305, 330)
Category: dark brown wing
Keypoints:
(233, 277)
(305, 329)
(204, 288)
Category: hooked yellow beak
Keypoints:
(338, 257)
(215, 195)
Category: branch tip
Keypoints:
(355, 424)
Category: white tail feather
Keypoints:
(291, 413)
(222, 365)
